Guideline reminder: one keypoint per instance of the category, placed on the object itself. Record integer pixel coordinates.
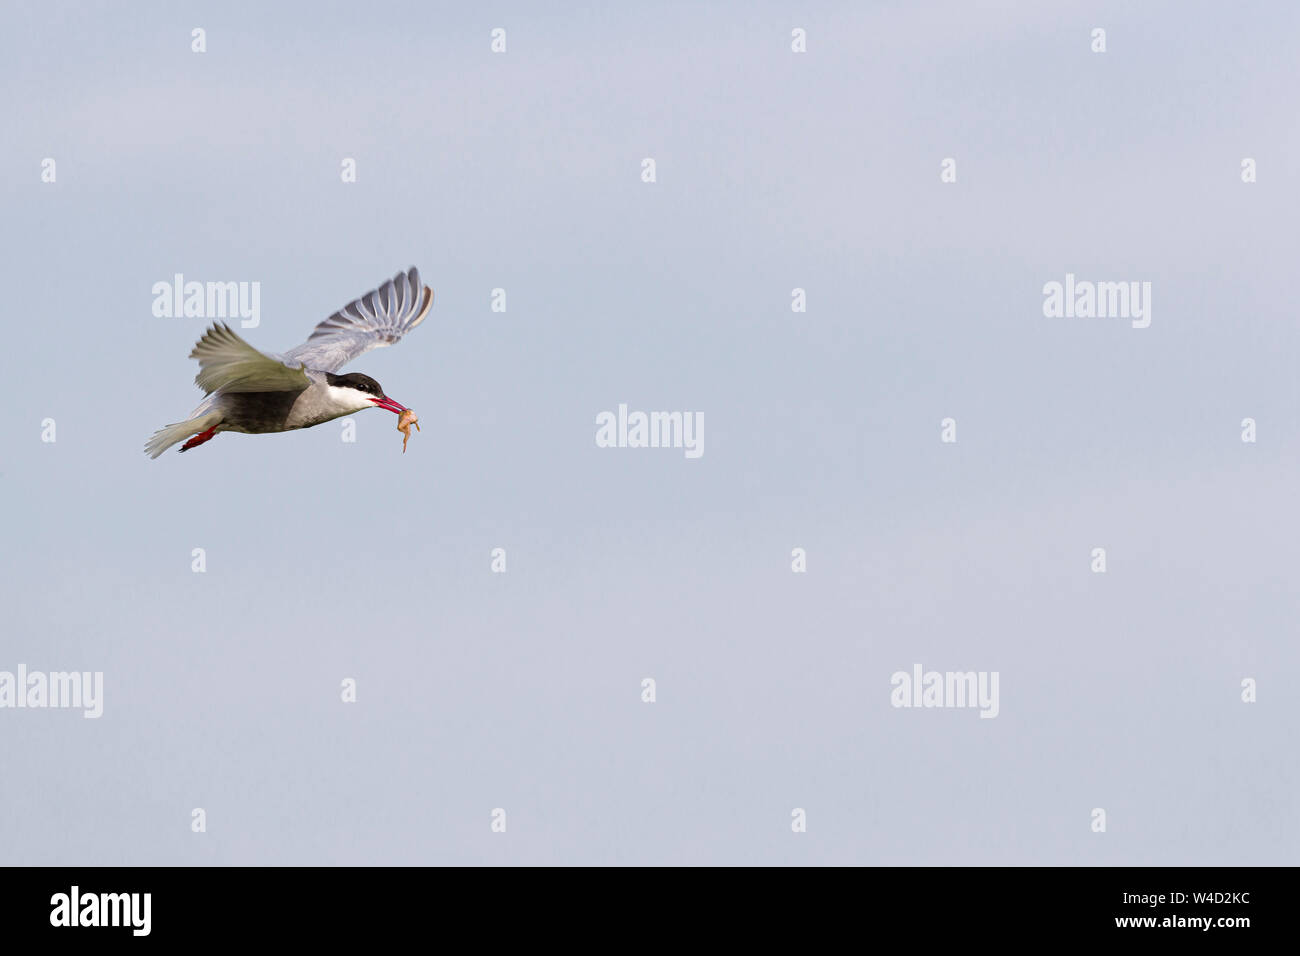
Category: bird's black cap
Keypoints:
(362, 383)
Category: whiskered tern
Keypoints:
(258, 392)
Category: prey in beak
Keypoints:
(404, 422)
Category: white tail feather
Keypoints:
(169, 435)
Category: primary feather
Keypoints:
(379, 318)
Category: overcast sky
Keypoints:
(329, 560)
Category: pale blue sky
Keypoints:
(329, 560)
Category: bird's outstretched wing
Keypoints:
(376, 319)
(229, 363)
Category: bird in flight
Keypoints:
(258, 392)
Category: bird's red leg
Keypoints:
(200, 438)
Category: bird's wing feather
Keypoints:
(229, 363)
(378, 318)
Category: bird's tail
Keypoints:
(169, 435)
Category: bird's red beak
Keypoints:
(389, 404)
